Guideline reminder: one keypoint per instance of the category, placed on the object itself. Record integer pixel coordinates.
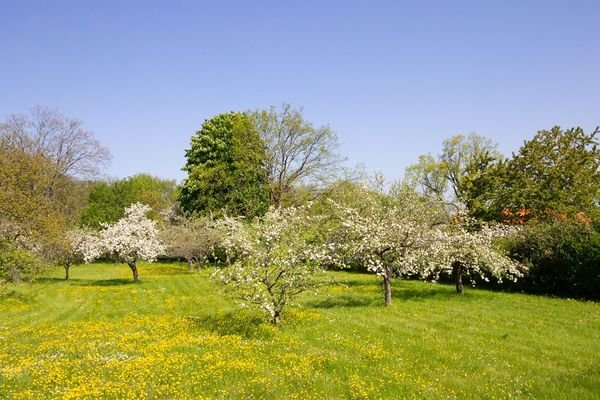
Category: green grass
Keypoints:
(174, 336)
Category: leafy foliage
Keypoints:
(460, 176)
(563, 258)
(299, 155)
(225, 168)
(107, 201)
(557, 171)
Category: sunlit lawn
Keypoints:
(174, 337)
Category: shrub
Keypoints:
(563, 258)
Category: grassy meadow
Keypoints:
(174, 336)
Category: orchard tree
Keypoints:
(193, 238)
(76, 246)
(457, 249)
(275, 261)
(299, 155)
(226, 169)
(134, 237)
(382, 232)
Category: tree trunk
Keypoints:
(387, 287)
(190, 264)
(134, 270)
(15, 275)
(457, 271)
(276, 319)
(67, 266)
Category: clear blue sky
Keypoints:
(392, 78)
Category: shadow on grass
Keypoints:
(106, 282)
(54, 280)
(343, 300)
(243, 323)
(424, 294)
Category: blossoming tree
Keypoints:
(274, 260)
(457, 250)
(382, 232)
(78, 245)
(133, 237)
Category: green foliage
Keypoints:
(107, 201)
(460, 176)
(16, 261)
(301, 158)
(226, 169)
(563, 258)
(558, 171)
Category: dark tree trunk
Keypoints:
(457, 272)
(134, 270)
(276, 317)
(67, 266)
(387, 287)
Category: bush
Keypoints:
(563, 258)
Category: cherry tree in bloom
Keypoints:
(133, 237)
(274, 260)
(382, 232)
(457, 250)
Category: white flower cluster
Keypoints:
(475, 250)
(133, 237)
(274, 259)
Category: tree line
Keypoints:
(266, 198)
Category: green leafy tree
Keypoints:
(107, 201)
(558, 171)
(226, 169)
(461, 176)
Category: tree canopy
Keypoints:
(558, 171)
(225, 167)
(298, 153)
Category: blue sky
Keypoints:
(392, 78)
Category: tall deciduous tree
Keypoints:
(461, 175)
(74, 151)
(225, 168)
(298, 153)
(556, 171)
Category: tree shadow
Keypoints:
(404, 294)
(242, 323)
(106, 282)
(54, 280)
(342, 300)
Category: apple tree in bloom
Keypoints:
(457, 250)
(133, 237)
(274, 260)
(381, 232)
(78, 245)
